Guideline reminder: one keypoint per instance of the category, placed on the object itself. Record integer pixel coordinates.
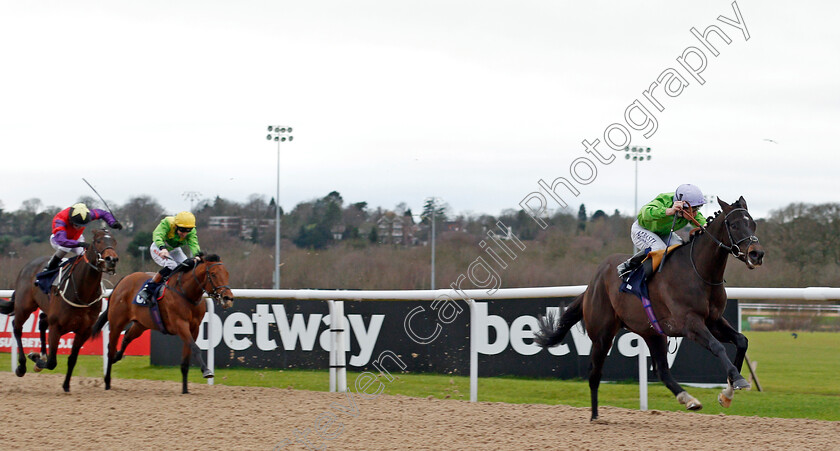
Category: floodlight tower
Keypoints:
(278, 134)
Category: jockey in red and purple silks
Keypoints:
(67, 228)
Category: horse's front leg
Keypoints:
(205, 372)
(723, 331)
(698, 332)
(182, 329)
(43, 324)
(78, 342)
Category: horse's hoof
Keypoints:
(20, 371)
(33, 356)
(207, 374)
(66, 389)
(724, 401)
(690, 402)
(694, 404)
(38, 369)
(741, 384)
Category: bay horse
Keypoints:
(181, 307)
(70, 307)
(688, 299)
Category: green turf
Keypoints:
(798, 376)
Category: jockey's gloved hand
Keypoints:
(117, 225)
(199, 255)
(84, 244)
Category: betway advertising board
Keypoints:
(295, 334)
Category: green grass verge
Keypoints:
(795, 373)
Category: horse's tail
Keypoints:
(100, 322)
(7, 307)
(551, 333)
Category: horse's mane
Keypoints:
(713, 216)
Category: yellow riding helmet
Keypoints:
(185, 219)
(79, 214)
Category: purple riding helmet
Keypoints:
(690, 194)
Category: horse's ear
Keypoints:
(723, 204)
(743, 203)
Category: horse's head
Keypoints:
(102, 253)
(216, 281)
(740, 232)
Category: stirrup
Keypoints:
(624, 270)
(145, 294)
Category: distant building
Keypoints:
(242, 227)
(395, 229)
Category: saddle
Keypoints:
(45, 280)
(654, 259)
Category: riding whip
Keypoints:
(100, 198)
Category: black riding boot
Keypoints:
(627, 267)
(160, 277)
(53, 263)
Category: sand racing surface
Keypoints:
(139, 414)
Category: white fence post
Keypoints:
(473, 352)
(333, 353)
(338, 365)
(643, 375)
(211, 344)
(341, 353)
(105, 337)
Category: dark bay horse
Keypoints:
(688, 300)
(71, 307)
(182, 308)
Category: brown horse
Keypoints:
(688, 300)
(71, 307)
(181, 309)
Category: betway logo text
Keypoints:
(241, 331)
(301, 331)
(519, 335)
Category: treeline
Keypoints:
(328, 243)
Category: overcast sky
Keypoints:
(394, 101)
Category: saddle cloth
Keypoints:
(157, 290)
(637, 282)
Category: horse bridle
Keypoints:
(99, 260)
(733, 247)
(214, 293)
